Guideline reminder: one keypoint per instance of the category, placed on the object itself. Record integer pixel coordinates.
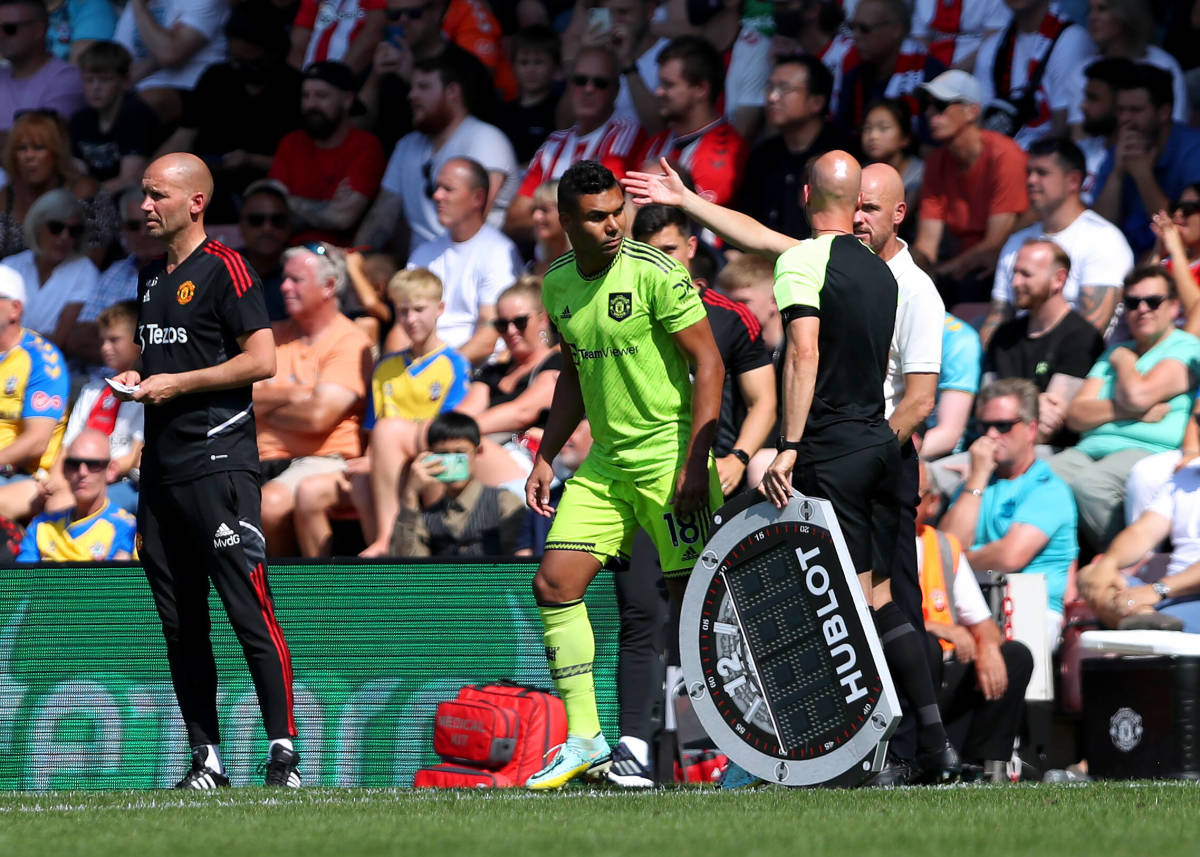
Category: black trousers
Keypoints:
(211, 529)
(906, 583)
(982, 730)
(645, 640)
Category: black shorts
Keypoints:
(862, 486)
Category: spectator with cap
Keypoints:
(798, 92)
(309, 413)
(974, 190)
(1027, 71)
(597, 135)
(266, 228)
(1153, 160)
(346, 31)
(92, 528)
(697, 138)
(240, 109)
(33, 403)
(172, 43)
(445, 126)
(330, 168)
(32, 78)
(891, 64)
(115, 132)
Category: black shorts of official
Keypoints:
(862, 486)
(210, 529)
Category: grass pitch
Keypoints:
(1098, 820)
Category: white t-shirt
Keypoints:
(917, 338)
(1179, 502)
(1099, 253)
(473, 138)
(749, 70)
(473, 274)
(129, 426)
(1057, 90)
(1154, 56)
(206, 17)
(968, 597)
(72, 282)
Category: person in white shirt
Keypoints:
(172, 42)
(444, 129)
(474, 260)
(1039, 42)
(1100, 255)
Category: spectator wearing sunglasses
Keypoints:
(1013, 511)
(266, 228)
(1134, 403)
(32, 79)
(597, 135)
(91, 529)
(1178, 231)
(59, 279)
(474, 259)
(974, 190)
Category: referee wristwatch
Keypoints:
(1162, 590)
(783, 443)
(740, 455)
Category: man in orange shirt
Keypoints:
(310, 413)
(973, 194)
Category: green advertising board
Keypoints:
(86, 700)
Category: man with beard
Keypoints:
(330, 168)
(1099, 109)
(445, 128)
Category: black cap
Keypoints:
(336, 74)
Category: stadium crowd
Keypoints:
(389, 168)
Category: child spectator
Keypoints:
(529, 118)
(98, 408)
(409, 386)
(116, 132)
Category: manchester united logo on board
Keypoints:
(620, 304)
(185, 293)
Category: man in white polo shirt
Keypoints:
(1100, 255)
(474, 260)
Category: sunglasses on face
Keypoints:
(1187, 209)
(1001, 426)
(408, 14)
(95, 465)
(501, 324)
(1132, 302)
(582, 80)
(259, 219)
(12, 27)
(937, 105)
(56, 228)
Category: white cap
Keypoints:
(955, 85)
(12, 285)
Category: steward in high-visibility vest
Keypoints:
(939, 562)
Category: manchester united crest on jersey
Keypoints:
(185, 292)
(620, 304)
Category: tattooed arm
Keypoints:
(1097, 305)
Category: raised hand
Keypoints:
(664, 189)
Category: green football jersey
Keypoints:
(636, 384)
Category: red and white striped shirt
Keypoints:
(334, 25)
(614, 144)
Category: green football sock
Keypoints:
(570, 650)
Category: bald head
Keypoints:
(881, 209)
(90, 444)
(185, 171)
(833, 184)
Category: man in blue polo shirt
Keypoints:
(1016, 515)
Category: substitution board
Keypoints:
(779, 653)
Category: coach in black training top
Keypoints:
(205, 339)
